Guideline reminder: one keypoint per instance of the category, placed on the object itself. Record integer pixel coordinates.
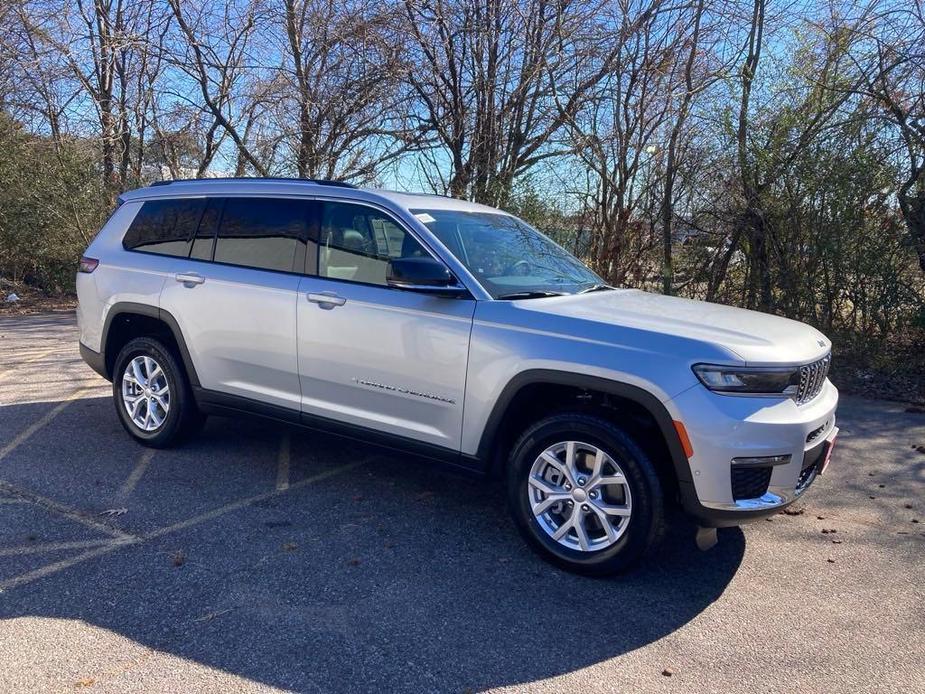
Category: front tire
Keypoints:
(584, 494)
(152, 395)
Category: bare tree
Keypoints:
(213, 51)
(618, 132)
(494, 81)
(890, 57)
(692, 84)
(102, 46)
(339, 87)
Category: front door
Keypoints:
(388, 359)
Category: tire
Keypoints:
(168, 387)
(639, 494)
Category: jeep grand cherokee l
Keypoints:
(457, 332)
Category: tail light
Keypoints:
(87, 265)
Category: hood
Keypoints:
(755, 338)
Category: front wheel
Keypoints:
(151, 394)
(584, 494)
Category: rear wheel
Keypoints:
(584, 494)
(152, 395)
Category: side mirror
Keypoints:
(423, 275)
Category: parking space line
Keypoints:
(43, 421)
(51, 547)
(282, 470)
(57, 566)
(66, 511)
(235, 505)
(126, 540)
(132, 481)
(28, 360)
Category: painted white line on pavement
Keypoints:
(35, 426)
(282, 470)
(132, 481)
(51, 547)
(129, 540)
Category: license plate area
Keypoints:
(828, 447)
(816, 460)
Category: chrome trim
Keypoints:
(775, 497)
(812, 379)
(761, 461)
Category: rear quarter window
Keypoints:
(164, 227)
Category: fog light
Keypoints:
(762, 461)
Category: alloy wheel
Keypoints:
(145, 393)
(579, 496)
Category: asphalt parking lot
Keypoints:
(259, 557)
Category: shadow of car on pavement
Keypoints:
(391, 575)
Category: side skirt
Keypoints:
(223, 404)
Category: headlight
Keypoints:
(753, 380)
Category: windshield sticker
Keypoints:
(425, 218)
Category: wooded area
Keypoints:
(765, 153)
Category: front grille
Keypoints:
(750, 482)
(812, 378)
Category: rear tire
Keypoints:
(152, 394)
(572, 475)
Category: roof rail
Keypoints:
(317, 181)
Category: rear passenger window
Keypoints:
(164, 226)
(263, 233)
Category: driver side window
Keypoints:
(357, 243)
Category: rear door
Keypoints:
(387, 359)
(235, 297)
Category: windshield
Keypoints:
(509, 258)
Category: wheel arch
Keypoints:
(492, 449)
(126, 320)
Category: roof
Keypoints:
(295, 186)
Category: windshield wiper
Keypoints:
(538, 294)
(596, 288)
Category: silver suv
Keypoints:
(456, 332)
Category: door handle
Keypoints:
(326, 299)
(189, 278)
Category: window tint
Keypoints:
(263, 233)
(164, 226)
(205, 236)
(357, 243)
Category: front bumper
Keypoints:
(95, 360)
(722, 428)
